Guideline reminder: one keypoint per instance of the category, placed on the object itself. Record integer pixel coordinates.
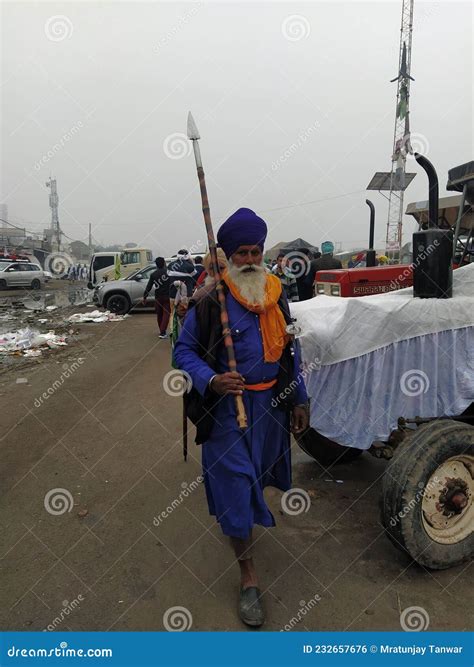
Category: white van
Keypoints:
(106, 266)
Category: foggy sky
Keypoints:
(289, 110)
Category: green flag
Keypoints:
(117, 274)
(403, 102)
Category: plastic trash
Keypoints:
(27, 339)
(96, 316)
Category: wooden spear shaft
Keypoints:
(193, 135)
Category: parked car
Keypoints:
(121, 296)
(21, 273)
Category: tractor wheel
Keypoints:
(427, 495)
(325, 451)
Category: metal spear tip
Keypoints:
(193, 132)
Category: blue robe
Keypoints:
(238, 465)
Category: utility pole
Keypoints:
(90, 240)
(53, 205)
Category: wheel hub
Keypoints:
(447, 507)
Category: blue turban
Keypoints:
(327, 247)
(244, 227)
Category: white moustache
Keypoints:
(247, 268)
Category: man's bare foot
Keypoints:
(248, 573)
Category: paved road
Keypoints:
(108, 435)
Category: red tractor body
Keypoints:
(364, 281)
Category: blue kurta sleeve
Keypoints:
(186, 354)
(300, 390)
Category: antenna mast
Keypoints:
(401, 135)
(53, 205)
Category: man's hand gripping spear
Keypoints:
(193, 135)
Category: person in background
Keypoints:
(160, 279)
(198, 267)
(72, 273)
(288, 281)
(207, 276)
(182, 269)
(300, 267)
(327, 259)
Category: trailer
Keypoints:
(393, 376)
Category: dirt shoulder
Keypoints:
(94, 422)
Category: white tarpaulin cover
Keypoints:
(336, 328)
(373, 359)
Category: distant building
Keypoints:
(80, 250)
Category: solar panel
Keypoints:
(381, 181)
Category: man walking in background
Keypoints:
(287, 279)
(182, 268)
(198, 267)
(160, 279)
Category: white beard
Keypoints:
(251, 284)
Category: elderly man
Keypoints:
(239, 464)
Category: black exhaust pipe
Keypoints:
(370, 256)
(432, 247)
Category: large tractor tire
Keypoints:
(325, 451)
(427, 495)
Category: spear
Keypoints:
(193, 135)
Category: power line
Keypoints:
(16, 227)
(314, 201)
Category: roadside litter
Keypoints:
(32, 353)
(29, 339)
(96, 316)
